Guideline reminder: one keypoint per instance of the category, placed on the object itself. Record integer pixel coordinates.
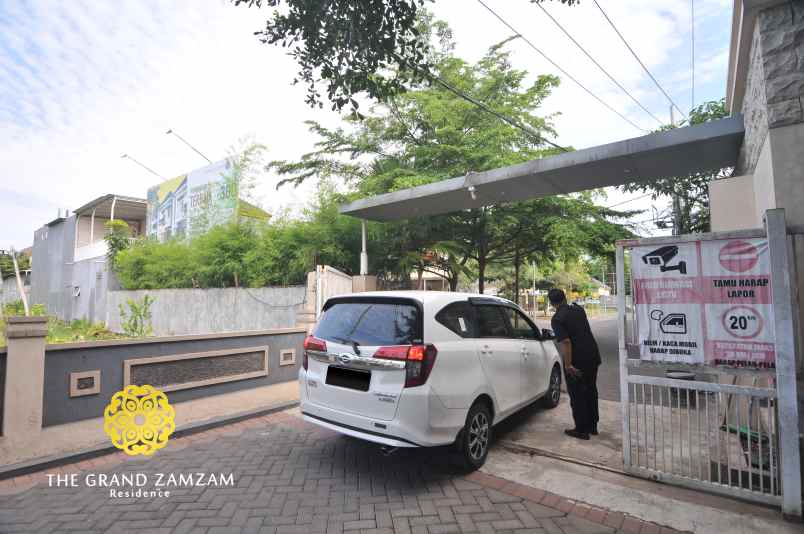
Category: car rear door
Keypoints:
(500, 354)
(348, 376)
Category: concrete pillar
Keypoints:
(25, 377)
(306, 318)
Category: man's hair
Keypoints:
(556, 296)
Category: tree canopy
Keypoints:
(373, 48)
(428, 134)
(692, 211)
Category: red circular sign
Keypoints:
(738, 256)
(743, 322)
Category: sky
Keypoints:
(84, 82)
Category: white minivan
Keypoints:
(425, 368)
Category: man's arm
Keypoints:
(564, 345)
(565, 351)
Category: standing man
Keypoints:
(581, 357)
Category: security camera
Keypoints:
(661, 258)
(472, 192)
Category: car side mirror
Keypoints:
(547, 334)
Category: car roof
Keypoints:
(427, 297)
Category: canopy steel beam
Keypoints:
(678, 152)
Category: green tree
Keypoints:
(149, 264)
(117, 239)
(219, 255)
(7, 264)
(429, 134)
(691, 211)
(371, 47)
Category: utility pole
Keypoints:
(20, 285)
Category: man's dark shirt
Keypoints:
(569, 322)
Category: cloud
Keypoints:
(84, 82)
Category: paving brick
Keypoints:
(293, 479)
(631, 525)
(614, 520)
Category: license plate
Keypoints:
(348, 378)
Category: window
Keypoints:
(458, 318)
(491, 322)
(521, 327)
(370, 322)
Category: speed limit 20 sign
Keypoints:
(707, 301)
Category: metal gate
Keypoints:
(727, 430)
(330, 282)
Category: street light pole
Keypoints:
(126, 156)
(20, 286)
(183, 140)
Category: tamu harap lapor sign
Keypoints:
(705, 302)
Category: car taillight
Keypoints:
(312, 343)
(419, 360)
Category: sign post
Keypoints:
(717, 302)
(786, 362)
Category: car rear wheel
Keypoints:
(553, 395)
(475, 437)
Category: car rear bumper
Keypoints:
(421, 419)
(375, 437)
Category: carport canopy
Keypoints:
(676, 152)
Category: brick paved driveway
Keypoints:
(291, 477)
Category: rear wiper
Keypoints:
(355, 345)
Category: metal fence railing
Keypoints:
(718, 437)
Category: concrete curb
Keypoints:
(56, 460)
(519, 448)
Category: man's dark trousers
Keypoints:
(583, 399)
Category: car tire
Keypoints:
(475, 438)
(553, 395)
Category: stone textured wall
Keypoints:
(774, 94)
(203, 311)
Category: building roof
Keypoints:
(130, 208)
(676, 152)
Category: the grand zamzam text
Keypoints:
(139, 480)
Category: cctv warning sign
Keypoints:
(704, 302)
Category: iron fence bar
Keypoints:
(623, 353)
(664, 439)
(761, 456)
(719, 449)
(699, 451)
(774, 500)
(739, 440)
(707, 427)
(689, 434)
(704, 386)
(655, 443)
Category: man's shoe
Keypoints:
(577, 434)
(594, 430)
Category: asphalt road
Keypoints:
(608, 376)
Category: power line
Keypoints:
(567, 74)
(457, 92)
(497, 114)
(593, 60)
(655, 81)
(692, 39)
(627, 201)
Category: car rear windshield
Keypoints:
(370, 323)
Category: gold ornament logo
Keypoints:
(139, 420)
